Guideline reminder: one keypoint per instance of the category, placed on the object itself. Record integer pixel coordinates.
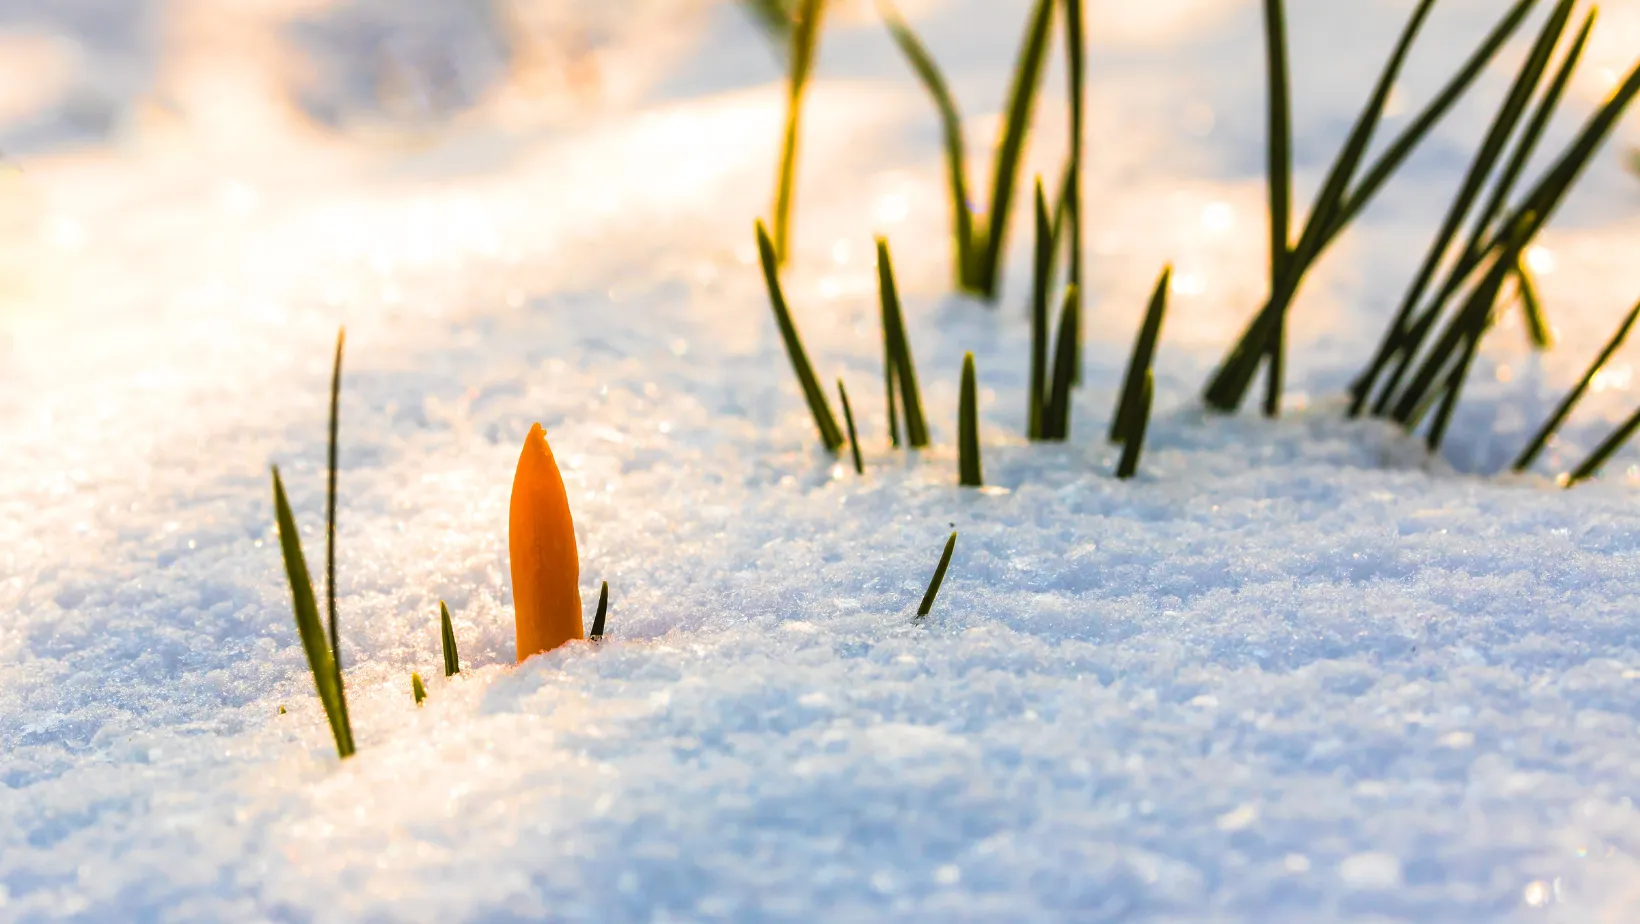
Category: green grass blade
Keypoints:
(805, 36)
(1279, 148)
(1141, 360)
(1454, 387)
(597, 633)
(853, 436)
(830, 434)
(898, 345)
(1486, 157)
(418, 690)
(969, 473)
(1021, 97)
(933, 591)
(447, 641)
(1076, 80)
(965, 252)
(1134, 440)
(888, 393)
(1530, 453)
(308, 626)
(330, 496)
(773, 17)
(1058, 414)
(1604, 451)
(1414, 134)
(1531, 305)
(1039, 315)
(1466, 325)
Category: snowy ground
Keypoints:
(1295, 672)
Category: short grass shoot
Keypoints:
(831, 436)
(933, 591)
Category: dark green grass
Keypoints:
(978, 242)
(1069, 229)
(1133, 442)
(1604, 451)
(1056, 424)
(330, 492)
(1140, 361)
(853, 436)
(1041, 283)
(899, 369)
(969, 472)
(447, 641)
(830, 434)
(418, 690)
(1340, 200)
(597, 633)
(927, 605)
(1541, 439)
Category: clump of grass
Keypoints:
(1405, 333)
(969, 474)
(898, 368)
(830, 435)
(978, 241)
(327, 675)
(933, 591)
(805, 36)
(418, 690)
(853, 435)
(597, 633)
(1529, 454)
(447, 641)
(1140, 361)
(1341, 198)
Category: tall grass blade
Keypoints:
(962, 216)
(447, 641)
(1071, 194)
(1021, 98)
(927, 605)
(1604, 451)
(597, 633)
(898, 347)
(830, 434)
(1039, 315)
(312, 632)
(1133, 441)
(1057, 425)
(805, 35)
(969, 473)
(1279, 146)
(1141, 360)
(853, 436)
(330, 494)
(418, 690)
(1529, 454)
(1486, 157)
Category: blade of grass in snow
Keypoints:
(447, 641)
(1533, 448)
(962, 216)
(418, 690)
(1141, 360)
(830, 435)
(1039, 316)
(897, 346)
(330, 495)
(1531, 303)
(1071, 193)
(1021, 98)
(1279, 145)
(1604, 451)
(326, 678)
(1133, 442)
(933, 591)
(597, 633)
(1057, 423)
(805, 35)
(1333, 210)
(1480, 167)
(853, 437)
(969, 473)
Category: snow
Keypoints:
(1296, 671)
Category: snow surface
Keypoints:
(1296, 671)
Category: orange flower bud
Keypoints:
(546, 570)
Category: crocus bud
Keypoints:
(546, 570)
